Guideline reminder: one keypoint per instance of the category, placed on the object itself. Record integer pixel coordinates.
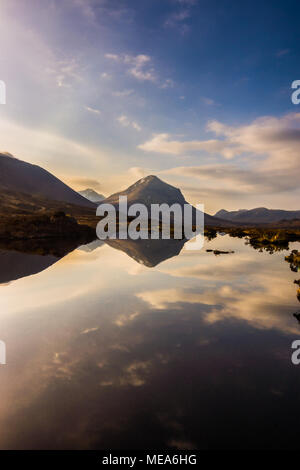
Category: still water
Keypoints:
(127, 345)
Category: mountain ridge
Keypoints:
(21, 177)
(259, 215)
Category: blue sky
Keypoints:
(103, 92)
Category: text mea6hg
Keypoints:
(151, 459)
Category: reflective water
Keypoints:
(137, 347)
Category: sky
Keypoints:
(198, 92)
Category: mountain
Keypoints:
(260, 215)
(152, 190)
(92, 195)
(17, 176)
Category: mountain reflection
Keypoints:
(21, 259)
(148, 252)
(24, 258)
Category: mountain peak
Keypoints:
(149, 179)
(7, 154)
(91, 195)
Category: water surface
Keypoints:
(149, 346)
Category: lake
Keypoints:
(127, 346)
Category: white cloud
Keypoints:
(162, 143)
(168, 83)
(277, 139)
(115, 57)
(92, 110)
(126, 122)
(141, 68)
(105, 75)
(67, 72)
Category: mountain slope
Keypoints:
(92, 195)
(152, 190)
(18, 176)
(259, 215)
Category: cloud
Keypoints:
(105, 75)
(126, 122)
(177, 20)
(114, 57)
(239, 180)
(84, 183)
(266, 154)
(162, 143)
(282, 52)
(86, 8)
(66, 72)
(92, 110)
(277, 139)
(208, 101)
(123, 93)
(266, 307)
(168, 83)
(140, 67)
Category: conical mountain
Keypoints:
(152, 190)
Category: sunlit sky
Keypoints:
(104, 92)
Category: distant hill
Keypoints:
(17, 177)
(152, 190)
(259, 215)
(92, 195)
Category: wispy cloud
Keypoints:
(141, 68)
(163, 143)
(126, 122)
(122, 93)
(178, 19)
(66, 72)
(92, 110)
(114, 57)
(83, 183)
(282, 52)
(168, 83)
(208, 101)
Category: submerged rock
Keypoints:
(220, 252)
